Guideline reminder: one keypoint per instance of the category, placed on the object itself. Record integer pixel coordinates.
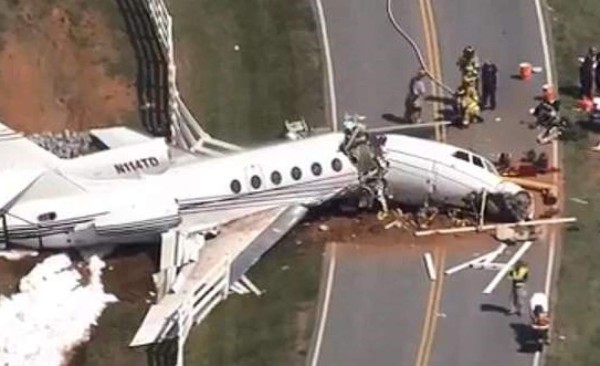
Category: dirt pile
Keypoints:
(63, 65)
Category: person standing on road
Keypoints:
(518, 275)
(414, 99)
(587, 74)
(488, 85)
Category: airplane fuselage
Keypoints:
(71, 208)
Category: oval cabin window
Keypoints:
(48, 216)
(336, 165)
(316, 169)
(276, 178)
(296, 173)
(255, 182)
(236, 186)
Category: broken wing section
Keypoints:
(194, 289)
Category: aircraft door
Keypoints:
(255, 179)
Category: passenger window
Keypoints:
(461, 155)
(316, 169)
(255, 182)
(48, 216)
(477, 161)
(296, 173)
(236, 186)
(336, 165)
(276, 178)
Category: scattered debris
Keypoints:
(285, 268)
(298, 242)
(236, 47)
(429, 266)
(578, 200)
(497, 119)
(323, 227)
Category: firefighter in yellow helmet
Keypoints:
(468, 58)
(468, 102)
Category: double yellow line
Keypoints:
(432, 311)
(433, 57)
(435, 291)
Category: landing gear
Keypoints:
(365, 153)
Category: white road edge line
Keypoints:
(542, 25)
(325, 309)
(328, 65)
(550, 80)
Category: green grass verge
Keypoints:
(574, 26)
(273, 329)
(245, 95)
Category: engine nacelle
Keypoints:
(150, 157)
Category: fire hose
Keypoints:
(415, 48)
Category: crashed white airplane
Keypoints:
(142, 187)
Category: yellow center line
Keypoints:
(432, 310)
(436, 307)
(436, 289)
(427, 319)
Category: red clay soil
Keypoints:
(53, 70)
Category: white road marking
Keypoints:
(542, 25)
(325, 308)
(536, 358)
(550, 80)
(328, 65)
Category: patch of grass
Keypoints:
(245, 95)
(273, 329)
(574, 25)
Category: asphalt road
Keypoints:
(379, 302)
(474, 332)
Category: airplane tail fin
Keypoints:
(17, 151)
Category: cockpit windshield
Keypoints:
(476, 160)
(492, 169)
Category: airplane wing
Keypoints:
(113, 137)
(222, 261)
(18, 151)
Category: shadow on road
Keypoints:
(525, 338)
(493, 308)
(152, 73)
(390, 117)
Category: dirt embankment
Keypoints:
(63, 65)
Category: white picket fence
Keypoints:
(184, 127)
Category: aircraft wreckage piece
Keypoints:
(468, 229)
(364, 152)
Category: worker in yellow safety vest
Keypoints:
(518, 275)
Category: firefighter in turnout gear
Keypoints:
(468, 58)
(468, 103)
(365, 153)
(519, 276)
